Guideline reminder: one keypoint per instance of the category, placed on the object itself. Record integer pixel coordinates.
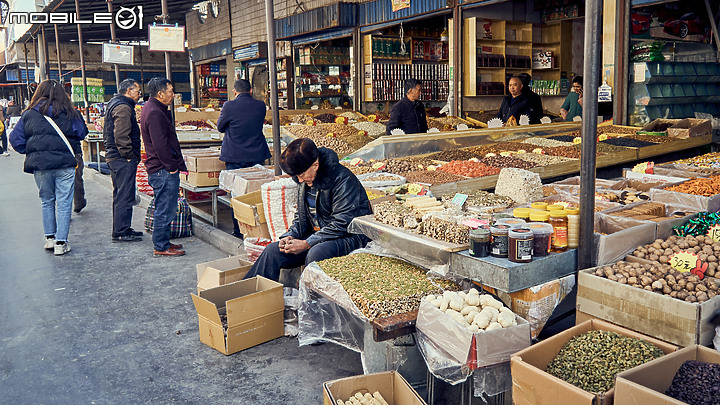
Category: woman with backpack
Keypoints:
(49, 134)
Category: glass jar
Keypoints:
(520, 245)
(499, 241)
(555, 207)
(480, 242)
(559, 222)
(540, 205)
(522, 213)
(542, 234)
(573, 216)
(539, 216)
(514, 222)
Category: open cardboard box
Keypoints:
(653, 126)
(220, 272)
(390, 384)
(201, 179)
(697, 202)
(646, 384)
(690, 127)
(493, 347)
(246, 180)
(533, 386)
(670, 319)
(203, 160)
(664, 228)
(254, 309)
(615, 237)
(250, 214)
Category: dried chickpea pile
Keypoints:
(469, 168)
(662, 279)
(661, 250)
(699, 186)
(382, 286)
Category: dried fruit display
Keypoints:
(319, 136)
(469, 168)
(382, 286)
(507, 161)
(711, 159)
(432, 177)
(326, 118)
(373, 129)
(590, 361)
(542, 160)
(546, 142)
(706, 187)
(662, 279)
(696, 383)
(660, 251)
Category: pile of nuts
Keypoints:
(480, 198)
(541, 160)
(394, 213)
(301, 119)
(546, 142)
(651, 138)
(382, 286)
(711, 159)
(615, 129)
(507, 161)
(351, 115)
(696, 383)
(358, 170)
(326, 118)
(706, 187)
(381, 177)
(563, 151)
(708, 251)
(319, 136)
(662, 279)
(454, 154)
(469, 168)
(432, 177)
(373, 129)
(590, 361)
(498, 148)
(627, 142)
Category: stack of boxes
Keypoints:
(204, 166)
(95, 89)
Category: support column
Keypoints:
(45, 56)
(27, 74)
(59, 58)
(272, 60)
(168, 62)
(82, 66)
(591, 76)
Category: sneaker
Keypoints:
(49, 242)
(6, 153)
(126, 238)
(81, 206)
(61, 248)
(134, 232)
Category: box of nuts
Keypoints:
(644, 300)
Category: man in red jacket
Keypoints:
(164, 162)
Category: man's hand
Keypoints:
(283, 242)
(295, 246)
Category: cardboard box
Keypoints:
(254, 309)
(646, 384)
(201, 179)
(390, 384)
(203, 160)
(220, 272)
(697, 202)
(247, 180)
(653, 125)
(493, 347)
(257, 231)
(615, 237)
(533, 386)
(248, 208)
(670, 319)
(690, 127)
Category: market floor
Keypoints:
(108, 323)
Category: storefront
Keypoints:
(210, 73)
(251, 65)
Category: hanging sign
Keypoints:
(166, 38)
(398, 5)
(119, 54)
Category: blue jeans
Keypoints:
(271, 260)
(56, 189)
(165, 187)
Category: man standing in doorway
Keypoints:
(408, 114)
(244, 145)
(164, 162)
(122, 146)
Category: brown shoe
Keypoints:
(169, 252)
(176, 247)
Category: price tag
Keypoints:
(602, 137)
(688, 261)
(416, 189)
(577, 140)
(459, 199)
(714, 232)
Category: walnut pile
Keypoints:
(660, 251)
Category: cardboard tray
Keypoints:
(390, 384)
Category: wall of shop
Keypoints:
(211, 30)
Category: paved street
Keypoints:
(109, 323)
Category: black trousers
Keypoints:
(271, 260)
(79, 193)
(123, 178)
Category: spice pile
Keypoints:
(507, 161)
(700, 186)
(696, 383)
(382, 286)
(662, 279)
(469, 168)
(590, 361)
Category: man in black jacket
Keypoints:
(516, 103)
(330, 196)
(408, 114)
(244, 144)
(122, 152)
(535, 99)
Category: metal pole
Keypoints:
(45, 60)
(59, 58)
(113, 38)
(82, 66)
(711, 17)
(27, 73)
(591, 73)
(270, 22)
(455, 79)
(622, 65)
(168, 63)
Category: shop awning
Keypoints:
(373, 27)
(322, 36)
(645, 3)
(381, 11)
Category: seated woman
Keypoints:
(329, 197)
(572, 107)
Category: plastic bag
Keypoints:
(254, 247)
(279, 199)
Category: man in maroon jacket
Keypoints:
(164, 162)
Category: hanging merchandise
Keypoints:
(604, 92)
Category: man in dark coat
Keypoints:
(535, 99)
(164, 162)
(516, 103)
(122, 153)
(408, 114)
(330, 196)
(244, 144)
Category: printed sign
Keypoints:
(685, 261)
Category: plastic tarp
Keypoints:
(615, 237)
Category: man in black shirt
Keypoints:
(408, 114)
(516, 103)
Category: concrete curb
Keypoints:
(203, 231)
